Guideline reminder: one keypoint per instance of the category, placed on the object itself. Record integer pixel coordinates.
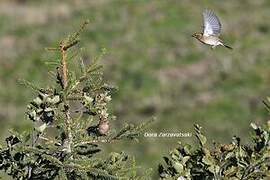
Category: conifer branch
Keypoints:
(64, 78)
(39, 154)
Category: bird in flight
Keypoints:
(211, 30)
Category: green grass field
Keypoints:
(159, 69)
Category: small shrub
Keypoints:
(225, 161)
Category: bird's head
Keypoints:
(197, 35)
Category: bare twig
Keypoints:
(64, 66)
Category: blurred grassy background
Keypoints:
(159, 69)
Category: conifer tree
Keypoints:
(70, 120)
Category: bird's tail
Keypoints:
(229, 47)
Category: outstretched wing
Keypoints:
(211, 24)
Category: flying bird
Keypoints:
(211, 30)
